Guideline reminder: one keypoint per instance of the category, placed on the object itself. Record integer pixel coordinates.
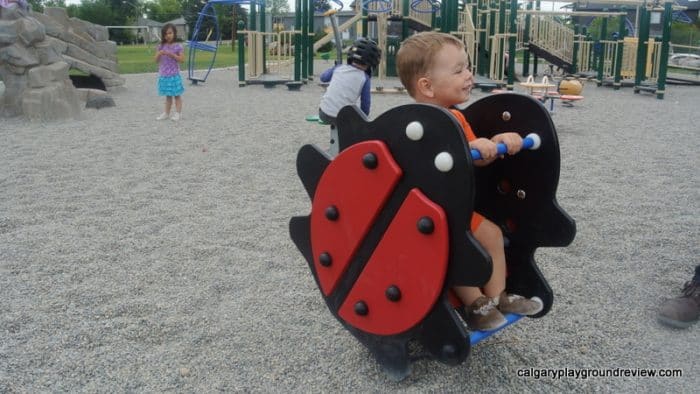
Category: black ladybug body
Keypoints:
(388, 235)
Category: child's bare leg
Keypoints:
(467, 294)
(491, 238)
(178, 103)
(168, 104)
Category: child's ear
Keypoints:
(424, 87)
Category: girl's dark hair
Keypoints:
(164, 29)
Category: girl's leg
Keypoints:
(178, 103)
(168, 104)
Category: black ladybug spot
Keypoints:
(426, 225)
(393, 293)
(325, 259)
(332, 213)
(369, 160)
(361, 308)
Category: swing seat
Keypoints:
(201, 46)
(195, 80)
(315, 119)
(388, 234)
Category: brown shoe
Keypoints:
(513, 303)
(682, 311)
(483, 315)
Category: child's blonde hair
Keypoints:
(417, 55)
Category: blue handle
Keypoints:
(531, 142)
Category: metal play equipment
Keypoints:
(206, 38)
(416, 15)
(272, 58)
(388, 234)
(337, 39)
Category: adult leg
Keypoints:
(684, 310)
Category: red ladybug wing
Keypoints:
(357, 190)
(413, 262)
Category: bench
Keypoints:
(388, 232)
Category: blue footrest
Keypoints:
(478, 336)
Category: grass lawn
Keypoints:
(135, 59)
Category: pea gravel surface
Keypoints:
(147, 256)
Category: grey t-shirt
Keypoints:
(346, 87)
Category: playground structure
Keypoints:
(490, 30)
(610, 59)
(388, 236)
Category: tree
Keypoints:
(321, 6)
(99, 12)
(191, 9)
(39, 5)
(277, 7)
(164, 10)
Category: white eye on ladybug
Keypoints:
(414, 131)
(444, 161)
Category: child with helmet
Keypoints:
(349, 83)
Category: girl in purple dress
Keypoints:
(168, 56)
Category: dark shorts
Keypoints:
(326, 118)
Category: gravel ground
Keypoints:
(138, 255)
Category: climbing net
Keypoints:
(425, 6)
(378, 6)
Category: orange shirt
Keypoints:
(469, 133)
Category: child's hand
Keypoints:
(513, 141)
(486, 148)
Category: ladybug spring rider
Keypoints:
(388, 233)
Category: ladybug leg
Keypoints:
(299, 230)
(390, 352)
(526, 279)
(311, 163)
(558, 228)
(443, 334)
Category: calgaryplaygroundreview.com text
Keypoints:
(585, 373)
